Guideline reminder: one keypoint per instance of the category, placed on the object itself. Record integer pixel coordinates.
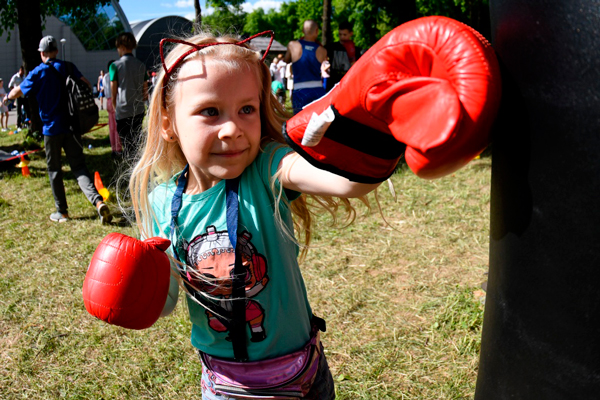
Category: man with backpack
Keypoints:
(49, 88)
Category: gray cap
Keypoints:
(48, 43)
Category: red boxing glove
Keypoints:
(127, 282)
(432, 84)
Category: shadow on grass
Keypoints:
(98, 159)
(15, 171)
(11, 148)
(118, 219)
(96, 142)
(8, 169)
(485, 154)
(110, 170)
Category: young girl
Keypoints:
(213, 116)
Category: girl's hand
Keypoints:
(436, 105)
(299, 175)
(128, 281)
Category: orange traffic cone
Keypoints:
(24, 167)
(100, 186)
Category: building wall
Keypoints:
(11, 59)
(89, 62)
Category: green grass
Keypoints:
(400, 298)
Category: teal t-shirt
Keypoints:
(277, 310)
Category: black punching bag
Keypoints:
(541, 329)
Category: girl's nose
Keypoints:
(230, 129)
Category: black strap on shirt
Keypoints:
(236, 319)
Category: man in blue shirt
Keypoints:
(47, 83)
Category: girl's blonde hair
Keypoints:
(159, 159)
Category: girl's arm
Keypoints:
(299, 175)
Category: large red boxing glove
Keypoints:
(127, 282)
(432, 84)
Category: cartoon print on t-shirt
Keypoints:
(213, 258)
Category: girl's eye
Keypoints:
(209, 112)
(247, 110)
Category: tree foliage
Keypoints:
(223, 21)
(77, 9)
(94, 30)
(284, 22)
(374, 18)
(475, 13)
(371, 18)
(287, 21)
(227, 17)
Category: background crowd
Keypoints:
(303, 74)
(308, 70)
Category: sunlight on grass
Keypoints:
(401, 298)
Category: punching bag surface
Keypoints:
(541, 330)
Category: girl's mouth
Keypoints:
(234, 153)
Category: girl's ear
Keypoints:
(167, 129)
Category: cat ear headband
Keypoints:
(196, 47)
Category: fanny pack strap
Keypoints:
(235, 320)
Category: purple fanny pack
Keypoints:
(286, 377)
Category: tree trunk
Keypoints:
(30, 33)
(326, 35)
(198, 13)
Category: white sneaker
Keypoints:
(104, 213)
(59, 217)
(4, 130)
(18, 130)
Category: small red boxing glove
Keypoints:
(432, 84)
(127, 282)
